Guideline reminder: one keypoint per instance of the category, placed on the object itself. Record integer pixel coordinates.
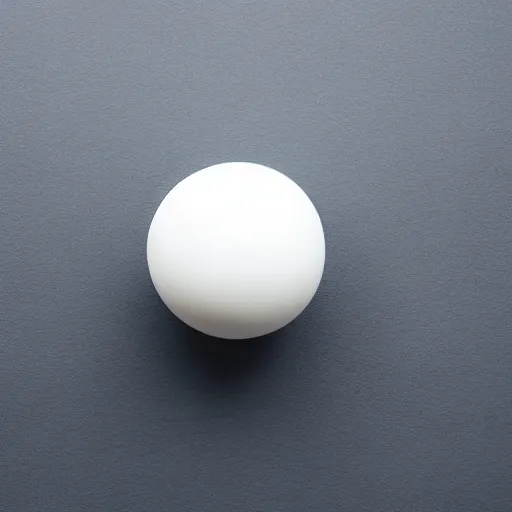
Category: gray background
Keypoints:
(393, 391)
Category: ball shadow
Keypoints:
(207, 364)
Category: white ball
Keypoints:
(236, 250)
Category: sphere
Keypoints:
(236, 250)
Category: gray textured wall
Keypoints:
(393, 392)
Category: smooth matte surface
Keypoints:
(393, 392)
(236, 250)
